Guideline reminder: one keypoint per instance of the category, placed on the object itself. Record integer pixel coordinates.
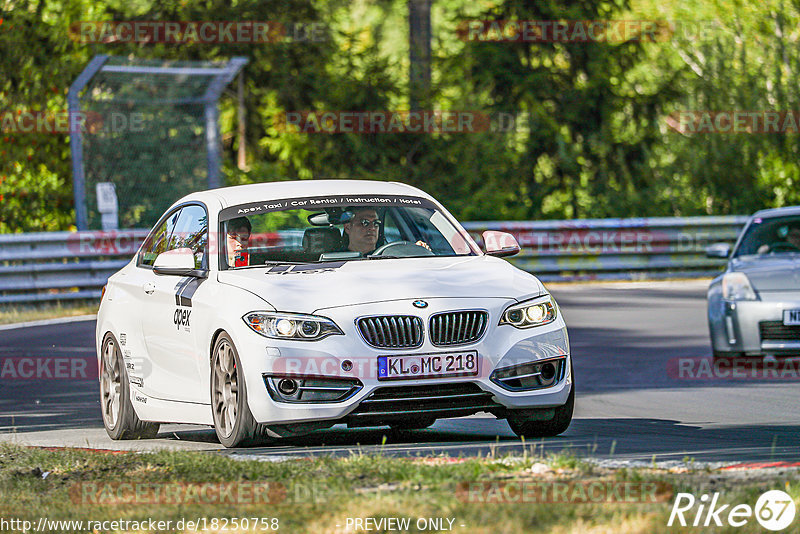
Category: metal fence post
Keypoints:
(76, 139)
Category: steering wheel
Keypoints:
(782, 246)
(403, 249)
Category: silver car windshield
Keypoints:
(270, 235)
(770, 236)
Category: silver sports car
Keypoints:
(754, 306)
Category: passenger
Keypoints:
(238, 236)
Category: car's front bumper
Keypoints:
(500, 346)
(755, 326)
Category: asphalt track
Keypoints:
(634, 401)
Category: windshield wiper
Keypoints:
(385, 257)
(268, 264)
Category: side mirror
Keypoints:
(500, 244)
(177, 262)
(719, 250)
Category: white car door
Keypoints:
(166, 315)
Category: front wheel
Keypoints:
(233, 421)
(532, 428)
(119, 418)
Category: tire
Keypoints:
(119, 418)
(719, 355)
(545, 429)
(233, 421)
(413, 424)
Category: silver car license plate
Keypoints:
(438, 365)
(791, 317)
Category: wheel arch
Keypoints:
(214, 338)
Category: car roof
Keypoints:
(244, 194)
(778, 212)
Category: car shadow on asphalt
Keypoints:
(626, 440)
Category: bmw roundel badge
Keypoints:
(420, 304)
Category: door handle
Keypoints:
(149, 287)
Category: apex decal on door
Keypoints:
(181, 319)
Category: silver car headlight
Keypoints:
(534, 312)
(297, 326)
(736, 286)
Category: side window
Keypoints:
(159, 240)
(390, 230)
(191, 231)
(425, 223)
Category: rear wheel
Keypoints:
(119, 418)
(532, 428)
(233, 422)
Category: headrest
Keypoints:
(322, 239)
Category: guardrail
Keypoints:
(68, 266)
(617, 249)
(56, 266)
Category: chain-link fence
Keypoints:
(149, 127)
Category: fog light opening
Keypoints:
(530, 376)
(548, 371)
(287, 386)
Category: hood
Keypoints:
(774, 273)
(311, 287)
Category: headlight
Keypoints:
(535, 312)
(277, 325)
(736, 286)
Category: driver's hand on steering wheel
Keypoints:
(763, 249)
(423, 244)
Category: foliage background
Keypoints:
(597, 143)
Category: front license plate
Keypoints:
(442, 364)
(791, 317)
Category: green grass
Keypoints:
(316, 495)
(23, 313)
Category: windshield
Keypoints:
(341, 228)
(776, 235)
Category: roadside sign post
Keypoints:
(107, 205)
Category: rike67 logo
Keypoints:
(774, 510)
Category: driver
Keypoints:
(363, 229)
(792, 240)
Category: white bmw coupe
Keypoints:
(276, 309)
